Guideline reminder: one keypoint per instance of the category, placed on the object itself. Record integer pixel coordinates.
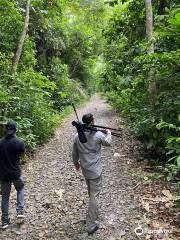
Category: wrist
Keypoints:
(77, 166)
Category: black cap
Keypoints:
(11, 127)
(87, 118)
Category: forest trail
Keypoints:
(56, 195)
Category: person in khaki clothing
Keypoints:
(89, 156)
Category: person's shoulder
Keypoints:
(20, 144)
(75, 137)
(3, 140)
(99, 134)
(18, 140)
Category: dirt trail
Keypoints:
(56, 195)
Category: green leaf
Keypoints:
(178, 161)
(169, 152)
(169, 177)
(169, 160)
(171, 139)
(178, 150)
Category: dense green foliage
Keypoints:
(125, 78)
(59, 54)
(70, 45)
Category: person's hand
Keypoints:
(77, 166)
(106, 131)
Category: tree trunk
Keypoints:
(21, 39)
(149, 34)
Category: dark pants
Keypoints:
(5, 190)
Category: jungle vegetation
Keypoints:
(48, 50)
(52, 51)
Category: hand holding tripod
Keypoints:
(83, 127)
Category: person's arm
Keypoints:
(22, 149)
(106, 138)
(75, 156)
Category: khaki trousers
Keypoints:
(94, 188)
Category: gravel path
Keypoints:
(56, 195)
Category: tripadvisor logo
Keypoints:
(138, 231)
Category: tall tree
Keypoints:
(21, 39)
(150, 50)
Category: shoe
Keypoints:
(20, 214)
(5, 225)
(93, 231)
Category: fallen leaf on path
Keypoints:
(146, 178)
(110, 221)
(168, 194)
(145, 205)
(59, 193)
(116, 155)
(169, 204)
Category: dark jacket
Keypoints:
(11, 148)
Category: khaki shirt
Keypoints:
(89, 153)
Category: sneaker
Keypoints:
(5, 225)
(20, 214)
(93, 231)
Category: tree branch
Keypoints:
(21, 40)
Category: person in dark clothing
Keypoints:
(11, 149)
